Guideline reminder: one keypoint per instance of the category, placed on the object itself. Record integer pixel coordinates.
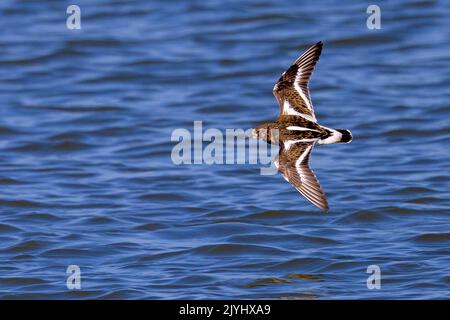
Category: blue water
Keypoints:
(87, 179)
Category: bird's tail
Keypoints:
(346, 136)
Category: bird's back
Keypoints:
(298, 128)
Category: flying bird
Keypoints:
(296, 130)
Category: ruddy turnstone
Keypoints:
(296, 130)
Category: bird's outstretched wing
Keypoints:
(292, 91)
(293, 163)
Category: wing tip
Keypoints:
(319, 46)
(314, 50)
(325, 209)
(322, 205)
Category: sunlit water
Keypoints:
(87, 179)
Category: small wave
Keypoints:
(426, 200)
(87, 109)
(122, 294)
(162, 197)
(278, 214)
(40, 216)
(364, 216)
(21, 281)
(70, 253)
(395, 210)
(362, 40)
(8, 228)
(7, 181)
(299, 264)
(266, 281)
(8, 131)
(416, 132)
(414, 190)
(27, 246)
(150, 226)
(308, 277)
(99, 220)
(20, 203)
(238, 249)
(433, 237)
(39, 147)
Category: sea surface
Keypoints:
(87, 177)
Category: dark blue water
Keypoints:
(87, 179)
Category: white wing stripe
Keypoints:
(300, 161)
(302, 157)
(302, 94)
(288, 144)
(288, 110)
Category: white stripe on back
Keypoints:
(296, 128)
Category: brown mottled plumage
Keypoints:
(296, 130)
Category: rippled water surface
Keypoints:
(86, 175)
